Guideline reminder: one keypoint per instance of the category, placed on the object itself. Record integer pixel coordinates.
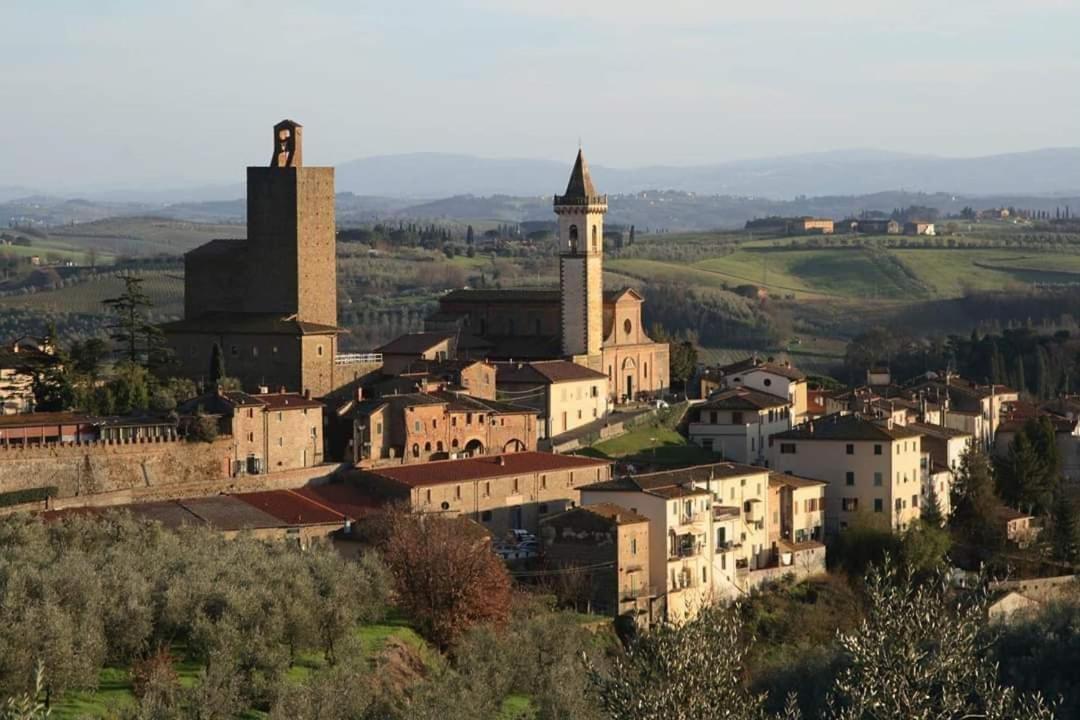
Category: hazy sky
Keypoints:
(146, 92)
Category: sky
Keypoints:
(148, 93)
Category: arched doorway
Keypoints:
(514, 446)
(474, 447)
(629, 371)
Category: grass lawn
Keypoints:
(652, 445)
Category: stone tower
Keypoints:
(581, 267)
(291, 233)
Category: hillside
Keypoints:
(143, 235)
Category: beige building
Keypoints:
(565, 394)
(400, 353)
(710, 533)
(501, 492)
(873, 468)
(737, 424)
(811, 226)
(779, 379)
(610, 546)
(21, 361)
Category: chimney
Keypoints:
(264, 389)
(359, 393)
(500, 460)
(307, 393)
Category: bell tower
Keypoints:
(581, 271)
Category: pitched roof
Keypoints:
(46, 419)
(656, 487)
(544, 372)
(218, 247)
(757, 364)
(851, 426)
(580, 185)
(794, 481)
(248, 324)
(615, 513)
(937, 431)
(677, 483)
(414, 343)
(479, 468)
(743, 398)
(286, 401)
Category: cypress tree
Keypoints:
(217, 366)
(931, 510)
(1065, 540)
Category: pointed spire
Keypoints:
(580, 185)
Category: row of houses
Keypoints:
(809, 225)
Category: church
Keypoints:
(581, 322)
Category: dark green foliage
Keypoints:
(201, 428)
(1028, 474)
(138, 340)
(1041, 652)
(682, 355)
(17, 497)
(975, 502)
(217, 367)
(1065, 529)
(88, 355)
(931, 509)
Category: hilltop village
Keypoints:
(496, 414)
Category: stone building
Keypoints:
(565, 395)
(270, 301)
(22, 360)
(420, 427)
(501, 492)
(270, 432)
(610, 547)
(598, 329)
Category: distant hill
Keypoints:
(846, 172)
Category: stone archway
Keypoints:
(513, 446)
(474, 447)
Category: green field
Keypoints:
(165, 288)
(142, 235)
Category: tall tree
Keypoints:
(1065, 536)
(974, 501)
(931, 509)
(217, 366)
(138, 339)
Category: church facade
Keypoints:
(580, 321)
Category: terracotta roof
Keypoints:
(815, 401)
(223, 512)
(544, 372)
(479, 468)
(937, 431)
(677, 483)
(291, 508)
(789, 480)
(45, 419)
(241, 323)
(414, 343)
(615, 513)
(743, 398)
(847, 427)
(343, 498)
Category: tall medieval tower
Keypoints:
(291, 233)
(581, 273)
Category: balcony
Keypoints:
(357, 358)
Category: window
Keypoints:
(849, 504)
(485, 516)
(487, 489)
(595, 391)
(767, 382)
(704, 574)
(849, 478)
(251, 412)
(318, 350)
(633, 546)
(899, 504)
(281, 442)
(378, 428)
(879, 505)
(542, 508)
(543, 482)
(516, 485)
(416, 450)
(427, 497)
(254, 351)
(877, 479)
(877, 449)
(468, 418)
(850, 449)
(457, 492)
(787, 448)
(280, 416)
(434, 424)
(627, 326)
(234, 351)
(736, 418)
(427, 447)
(573, 237)
(251, 437)
(914, 501)
(416, 426)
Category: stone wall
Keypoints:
(86, 468)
